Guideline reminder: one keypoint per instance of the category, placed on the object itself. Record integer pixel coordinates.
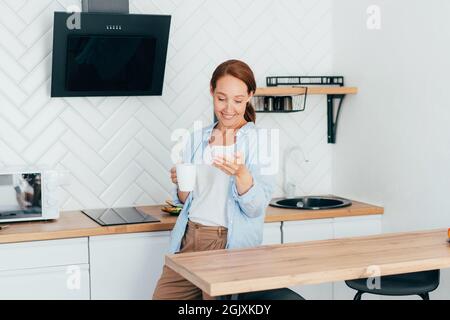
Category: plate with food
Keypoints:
(171, 208)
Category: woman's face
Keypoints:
(230, 100)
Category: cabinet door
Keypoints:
(357, 226)
(127, 266)
(55, 283)
(354, 227)
(300, 231)
(41, 254)
(272, 233)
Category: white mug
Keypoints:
(186, 173)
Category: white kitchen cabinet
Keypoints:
(127, 266)
(301, 231)
(272, 233)
(55, 283)
(354, 227)
(38, 254)
(357, 226)
(54, 269)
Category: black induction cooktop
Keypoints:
(117, 216)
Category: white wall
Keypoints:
(394, 135)
(117, 149)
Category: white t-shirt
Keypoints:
(210, 193)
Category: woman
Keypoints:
(226, 209)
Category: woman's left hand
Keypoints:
(230, 164)
(234, 165)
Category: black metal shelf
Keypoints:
(334, 97)
(277, 111)
(304, 80)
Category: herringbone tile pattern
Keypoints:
(117, 149)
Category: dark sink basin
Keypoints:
(310, 203)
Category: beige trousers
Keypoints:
(172, 286)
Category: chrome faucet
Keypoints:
(290, 187)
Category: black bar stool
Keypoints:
(415, 283)
(274, 294)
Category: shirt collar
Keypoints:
(242, 131)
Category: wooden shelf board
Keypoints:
(285, 91)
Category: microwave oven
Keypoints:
(28, 194)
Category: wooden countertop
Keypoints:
(357, 208)
(73, 224)
(221, 272)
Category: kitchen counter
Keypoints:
(74, 224)
(357, 208)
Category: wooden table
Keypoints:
(223, 272)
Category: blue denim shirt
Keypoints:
(245, 212)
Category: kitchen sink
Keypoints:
(310, 203)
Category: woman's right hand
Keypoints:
(173, 175)
(182, 196)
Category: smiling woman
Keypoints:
(232, 86)
(226, 207)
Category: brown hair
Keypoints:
(242, 71)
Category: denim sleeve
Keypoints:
(186, 152)
(254, 202)
(174, 194)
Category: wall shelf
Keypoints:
(335, 96)
(277, 111)
(286, 91)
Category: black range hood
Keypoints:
(109, 54)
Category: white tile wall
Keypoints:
(117, 148)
